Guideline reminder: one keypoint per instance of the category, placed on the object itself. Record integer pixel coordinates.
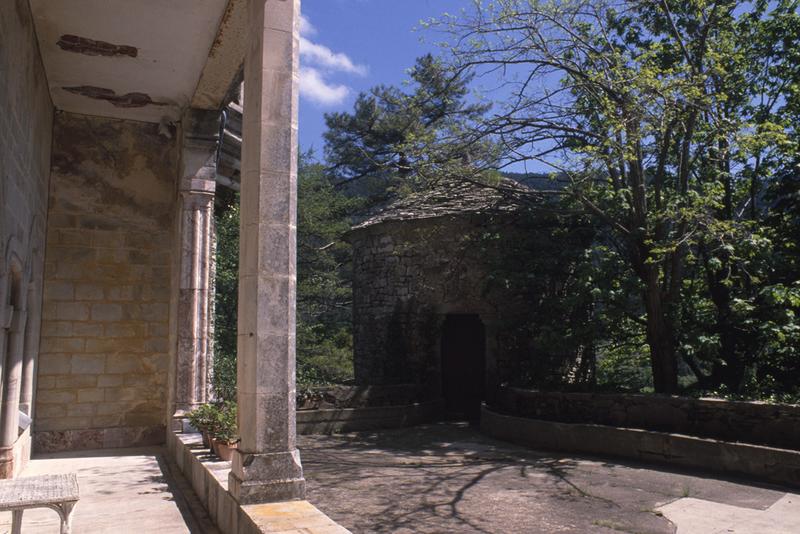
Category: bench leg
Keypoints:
(65, 513)
(16, 522)
(66, 517)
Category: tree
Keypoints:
(392, 140)
(648, 108)
(324, 339)
(324, 277)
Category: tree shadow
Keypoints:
(421, 479)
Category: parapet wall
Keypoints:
(775, 425)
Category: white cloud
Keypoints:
(322, 56)
(306, 28)
(314, 87)
(318, 64)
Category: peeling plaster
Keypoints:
(90, 47)
(128, 100)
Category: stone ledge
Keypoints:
(208, 477)
(779, 466)
(759, 423)
(332, 420)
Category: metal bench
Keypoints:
(59, 492)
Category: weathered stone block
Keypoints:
(120, 394)
(87, 364)
(59, 290)
(56, 328)
(51, 410)
(124, 363)
(106, 312)
(56, 396)
(61, 344)
(120, 292)
(87, 329)
(80, 410)
(54, 364)
(72, 311)
(91, 395)
(88, 292)
(46, 382)
(108, 381)
(76, 381)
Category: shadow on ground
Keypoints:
(449, 478)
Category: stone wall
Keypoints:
(345, 397)
(104, 355)
(26, 115)
(776, 425)
(409, 275)
(777, 466)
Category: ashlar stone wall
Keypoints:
(26, 115)
(104, 356)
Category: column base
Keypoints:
(266, 477)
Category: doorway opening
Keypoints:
(463, 365)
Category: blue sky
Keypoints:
(348, 46)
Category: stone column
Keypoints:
(266, 466)
(193, 321)
(9, 430)
(32, 329)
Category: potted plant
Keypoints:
(225, 432)
(204, 418)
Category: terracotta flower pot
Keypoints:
(223, 449)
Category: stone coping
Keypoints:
(208, 477)
(759, 423)
(769, 464)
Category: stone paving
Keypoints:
(122, 491)
(449, 478)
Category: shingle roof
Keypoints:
(453, 198)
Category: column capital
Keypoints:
(200, 139)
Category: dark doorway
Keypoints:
(463, 365)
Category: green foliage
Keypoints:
(224, 427)
(324, 288)
(394, 141)
(218, 419)
(203, 417)
(671, 120)
(226, 219)
(324, 279)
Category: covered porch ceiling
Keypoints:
(143, 60)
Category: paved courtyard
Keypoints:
(434, 478)
(122, 491)
(450, 478)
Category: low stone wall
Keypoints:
(339, 396)
(208, 477)
(331, 409)
(329, 421)
(759, 423)
(773, 465)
